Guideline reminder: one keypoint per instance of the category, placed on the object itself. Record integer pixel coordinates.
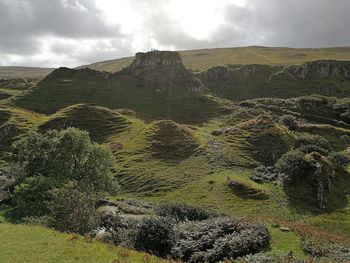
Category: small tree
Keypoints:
(72, 210)
(54, 159)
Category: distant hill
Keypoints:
(203, 59)
(24, 72)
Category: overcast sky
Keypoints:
(51, 33)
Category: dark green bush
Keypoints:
(72, 211)
(313, 143)
(183, 212)
(30, 197)
(289, 121)
(214, 240)
(293, 165)
(155, 235)
(339, 160)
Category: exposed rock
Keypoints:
(156, 59)
(218, 73)
(316, 70)
(162, 70)
(6, 181)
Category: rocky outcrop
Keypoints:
(316, 70)
(218, 73)
(156, 59)
(162, 70)
(6, 181)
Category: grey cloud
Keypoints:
(23, 24)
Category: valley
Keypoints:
(192, 127)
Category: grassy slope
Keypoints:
(24, 72)
(21, 243)
(67, 87)
(205, 58)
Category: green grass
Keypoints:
(24, 72)
(205, 58)
(20, 243)
(66, 87)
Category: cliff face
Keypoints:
(317, 70)
(156, 59)
(162, 70)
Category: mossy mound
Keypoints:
(267, 140)
(100, 122)
(170, 140)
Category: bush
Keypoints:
(72, 211)
(155, 235)
(339, 160)
(119, 229)
(30, 197)
(183, 212)
(289, 121)
(216, 239)
(293, 165)
(265, 174)
(313, 143)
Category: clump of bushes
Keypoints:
(265, 174)
(213, 240)
(155, 235)
(183, 212)
(63, 172)
(312, 163)
(313, 143)
(289, 121)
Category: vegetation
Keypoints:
(193, 148)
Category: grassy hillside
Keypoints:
(20, 243)
(24, 72)
(203, 59)
(66, 87)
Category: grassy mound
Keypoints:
(21, 243)
(100, 122)
(65, 87)
(171, 140)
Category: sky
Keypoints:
(52, 33)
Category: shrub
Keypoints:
(293, 165)
(30, 197)
(155, 235)
(183, 212)
(216, 239)
(72, 211)
(289, 121)
(313, 143)
(339, 160)
(265, 174)
(119, 229)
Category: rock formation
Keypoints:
(162, 70)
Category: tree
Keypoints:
(67, 155)
(52, 160)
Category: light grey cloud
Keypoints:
(73, 32)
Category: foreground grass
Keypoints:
(19, 243)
